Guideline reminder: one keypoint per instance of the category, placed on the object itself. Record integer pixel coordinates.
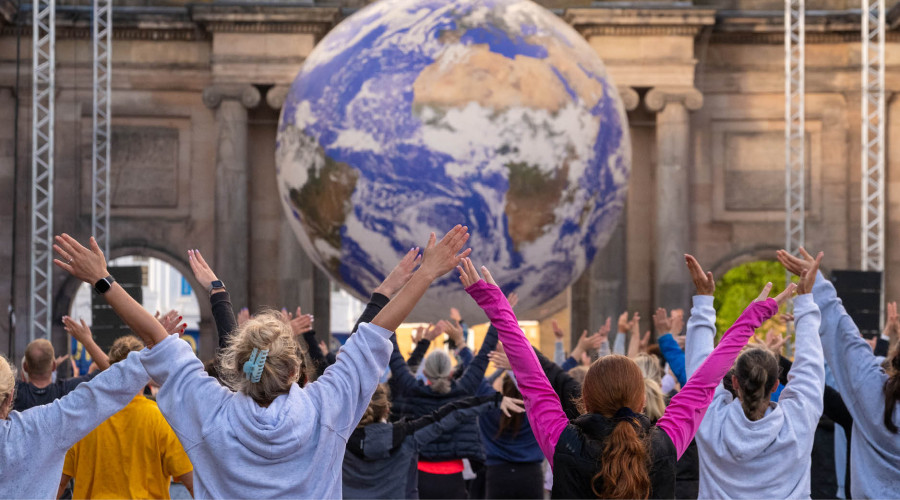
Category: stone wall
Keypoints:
(196, 97)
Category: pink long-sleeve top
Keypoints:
(684, 413)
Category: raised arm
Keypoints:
(686, 410)
(846, 352)
(545, 413)
(82, 333)
(219, 298)
(668, 346)
(802, 396)
(89, 265)
(395, 280)
(701, 326)
(73, 416)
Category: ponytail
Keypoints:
(892, 392)
(756, 370)
(623, 471)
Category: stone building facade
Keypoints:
(197, 89)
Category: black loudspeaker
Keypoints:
(106, 324)
(860, 291)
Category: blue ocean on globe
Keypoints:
(412, 116)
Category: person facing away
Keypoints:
(745, 437)
(264, 436)
(381, 456)
(39, 364)
(133, 454)
(612, 451)
(870, 391)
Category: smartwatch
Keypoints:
(104, 285)
(215, 284)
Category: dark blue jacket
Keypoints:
(412, 398)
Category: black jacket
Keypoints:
(579, 454)
(412, 398)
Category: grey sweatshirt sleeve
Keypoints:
(619, 344)
(701, 333)
(343, 392)
(801, 398)
(559, 354)
(857, 372)
(187, 395)
(76, 414)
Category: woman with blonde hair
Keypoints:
(265, 437)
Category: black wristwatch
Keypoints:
(215, 284)
(104, 285)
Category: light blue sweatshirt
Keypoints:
(735, 452)
(874, 451)
(33, 443)
(294, 448)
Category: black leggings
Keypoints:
(435, 486)
(511, 480)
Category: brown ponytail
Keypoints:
(378, 408)
(612, 383)
(892, 392)
(756, 370)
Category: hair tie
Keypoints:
(253, 368)
(624, 414)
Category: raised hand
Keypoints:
(432, 332)
(513, 299)
(170, 321)
(892, 325)
(454, 331)
(202, 272)
(441, 257)
(300, 323)
(626, 324)
(775, 342)
(418, 334)
(794, 264)
(703, 281)
(662, 322)
(676, 322)
(781, 298)
(557, 331)
(88, 265)
(603, 333)
(808, 275)
(323, 346)
(60, 359)
(469, 276)
(78, 330)
(645, 341)
(513, 405)
(498, 357)
(243, 316)
(401, 273)
(455, 315)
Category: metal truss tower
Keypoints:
(795, 123)
(43, 88)
(873, 121)
(102, 25)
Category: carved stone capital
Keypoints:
(247, 95)
(276, 95)
(657, 98)
(630, 98)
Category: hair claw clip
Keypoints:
(253, 368)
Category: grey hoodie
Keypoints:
(291, 449)
(874, 452)
(768, 458)
(33, 442)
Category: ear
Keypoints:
(643, 403)
(25, 366)
(774, 388)
(53, 366)
(735, 386)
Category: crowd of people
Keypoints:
(276, 415)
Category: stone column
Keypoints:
(673, 176)
(601, 291)
(232, 212)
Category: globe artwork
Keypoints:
(412, 116)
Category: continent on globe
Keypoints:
(414, 115)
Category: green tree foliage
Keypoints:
(740, 285)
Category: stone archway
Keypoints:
(66, 293)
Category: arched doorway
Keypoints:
(162, 287)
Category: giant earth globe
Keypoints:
(412, 116)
